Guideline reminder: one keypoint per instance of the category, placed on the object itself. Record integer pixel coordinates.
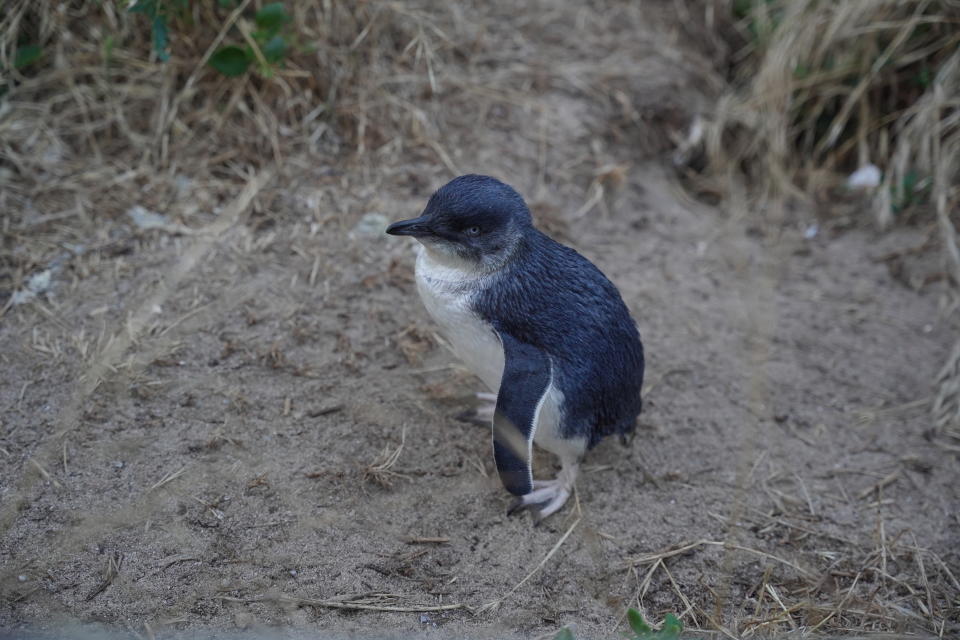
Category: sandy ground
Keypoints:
(244, 426)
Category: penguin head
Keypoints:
(473, 218)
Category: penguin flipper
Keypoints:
(527, 374)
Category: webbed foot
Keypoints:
(548, 496)
(483, 414)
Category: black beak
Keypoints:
(416, 227)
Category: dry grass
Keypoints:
(821, 89)
(98, 125)
(381, 470)
(856, 588)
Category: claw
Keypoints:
(546, 499)
(515, 507)
(483, 414)
(470, 416)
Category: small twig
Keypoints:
(888, 479)
(943, 565)
(170, 477)
(46, 475)
(839, 606)
(323, 411)
(444, 157)
(683, 598)
(114, 562)
(923, 576)
(349, 606)
(776, 597)
(715, 543)
(591, 202)
(427, 540)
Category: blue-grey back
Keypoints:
(553, 298)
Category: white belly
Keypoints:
(445, 291)
(447, 296)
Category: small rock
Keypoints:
(866, 177)
(36, 284)
(371, 224)
(183, 184)
(146, 219)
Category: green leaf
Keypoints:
(271, 17)
(564, 634)
(742, 8)
(671, 627)
(275, 49)
(160, 39)
(636, 622)
(226, 4)
(109, 43)
(230, 61)
(27, 55)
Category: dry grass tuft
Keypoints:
(339, 86)
(822, 89)
(856, 587)
(946, 404)
(381, 471)
(96, 124)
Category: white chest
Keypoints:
(446, 293)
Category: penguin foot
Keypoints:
(546, 499)
(488, 406)
(483, 414)
(548, 496)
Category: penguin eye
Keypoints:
(473, 231)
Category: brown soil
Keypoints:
(198, 427)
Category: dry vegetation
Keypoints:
(97, 124)
(821, 89)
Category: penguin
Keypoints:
(538, 323)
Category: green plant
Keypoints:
(669, 630)
(564, 634)
(759, 17)
(832, 86)
(159, 12)
(27, 55)
(270, 44)
(912, 189)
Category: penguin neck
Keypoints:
(441, 264)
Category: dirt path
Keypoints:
(254, 424)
